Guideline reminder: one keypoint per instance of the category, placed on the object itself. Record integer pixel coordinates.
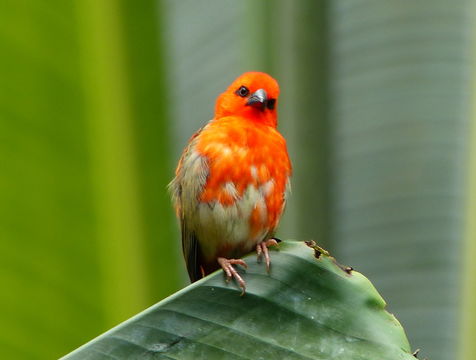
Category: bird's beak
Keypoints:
(258, 99)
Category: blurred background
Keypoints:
(98, 98)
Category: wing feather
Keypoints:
(190, 179)
(191, 252)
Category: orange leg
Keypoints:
(227, 266)
(262, 250)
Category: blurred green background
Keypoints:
(98, 98)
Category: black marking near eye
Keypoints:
(271, 103)
(242, 91)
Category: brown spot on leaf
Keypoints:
(318, 251)
(310, 243)
(347, 269)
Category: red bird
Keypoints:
(231, 183)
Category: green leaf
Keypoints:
(85, 220)
(307, 307)
(401, 79)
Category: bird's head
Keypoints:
(253, 95)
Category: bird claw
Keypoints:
(230, 271)
(262, 250)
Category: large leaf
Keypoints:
(308, 307)
(84, 214)
(48, 266)
(400, 80)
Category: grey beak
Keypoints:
(258, 99)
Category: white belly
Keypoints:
(218, 226)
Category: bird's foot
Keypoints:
(230, 271)
(262, 250)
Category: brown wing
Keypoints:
(191, 251)
(190, 179)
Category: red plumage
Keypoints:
(232, 179)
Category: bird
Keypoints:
(232, 181)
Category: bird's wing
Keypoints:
(191, 251)
(190, 179)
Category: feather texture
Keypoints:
(231, 183)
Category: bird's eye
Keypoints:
(271, 103)
(242, 91)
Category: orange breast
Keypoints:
(241, 154)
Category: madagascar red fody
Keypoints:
(232, 179)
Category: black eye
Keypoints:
(271, 103)
(242, 91)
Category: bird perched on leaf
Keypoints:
(232, 180)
